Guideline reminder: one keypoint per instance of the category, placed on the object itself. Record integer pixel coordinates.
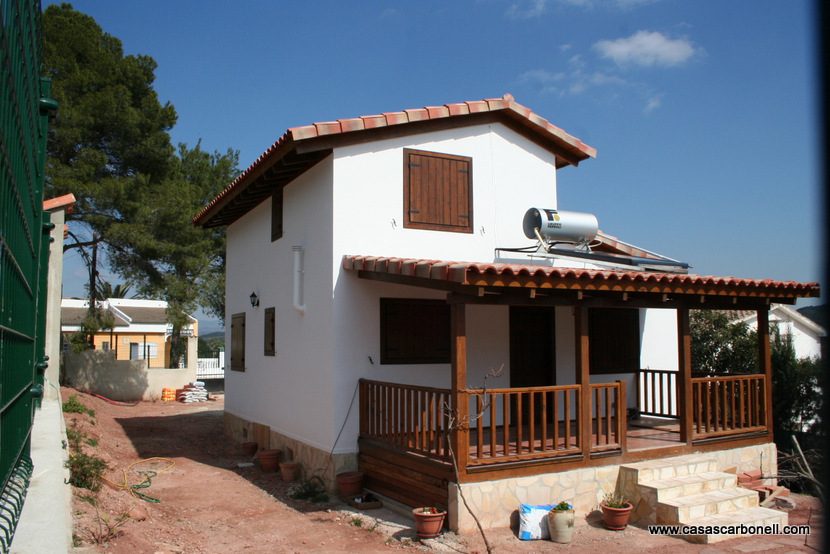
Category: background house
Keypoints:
(140, 329)
(354, 321)
(808, 336)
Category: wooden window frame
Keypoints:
(599, 349)
(270, 327)
(277, 224)
(237, 326)
(428, 352)
(407, 214)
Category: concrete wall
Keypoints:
(99, 372)
(54, 289)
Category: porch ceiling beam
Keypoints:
(411, 281)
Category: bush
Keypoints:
(75, 406)
(85, 471)
(312, 490)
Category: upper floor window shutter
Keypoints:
(276, 214)
(270, 331)
(438, 191)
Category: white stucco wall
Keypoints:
(292, 391)
(806, 338)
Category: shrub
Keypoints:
(85, 471)
(312, 490)
(75, 406)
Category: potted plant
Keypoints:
(561, 522)
(429, 521)
(615, 511)
(289, 470)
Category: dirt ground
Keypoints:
(206, 504)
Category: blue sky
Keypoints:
(704, 114)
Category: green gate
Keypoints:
(24, 245)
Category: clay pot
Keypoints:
(349, 483)
(428, 522)
(616, 519)
(249, 448)
(289, 471)
(561, 525)
(268, 460)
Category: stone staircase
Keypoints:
(689, 490)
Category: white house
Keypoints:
(379, 269)
(806, 334)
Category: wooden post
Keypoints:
(461, 430)
(684, 383)
(622, 411)
(765, 365)
(583, 377)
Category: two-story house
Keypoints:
(398, 296)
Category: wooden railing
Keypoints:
(728, 405)
(523, 423)
(608, 416)
(657, 392)
(409, 417)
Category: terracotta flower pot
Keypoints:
(249, 448)
(616, 519)
(268, 460)
(349, 483)
(428, 522)
(289, 471)
(561, 525)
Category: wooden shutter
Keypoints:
(276, 214)
(238, 342)
(270, 331)
(614, 340)
(438, 191)
(414, 331)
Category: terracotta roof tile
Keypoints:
(65, 201)
(461, 273)
(504, 105)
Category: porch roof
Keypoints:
(457, 276)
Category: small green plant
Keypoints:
(74, 437)
(613, 500)
(75, 406)
(356, 521)
(85, 471)
(311, 489)
(562, 507)
(92, 442)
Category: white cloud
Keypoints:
(653, 103)
(540, 76)
(647, 48)
(565, 47)
(630, 4)
(526, 9)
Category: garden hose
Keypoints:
(149, 474)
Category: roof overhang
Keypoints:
(497, 283)
(300, 148)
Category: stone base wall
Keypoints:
(496, 502)
(313, 461)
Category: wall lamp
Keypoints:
(254, 300)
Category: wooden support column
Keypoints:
(461, 430)
(765, 365)
(583, 376)
(684, 381)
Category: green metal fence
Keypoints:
(24, 243)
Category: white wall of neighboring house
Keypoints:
(805, 333)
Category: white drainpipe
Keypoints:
(299, 276)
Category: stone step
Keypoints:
(691, 508)
(666, 468)
(666, 489)
(747, 517)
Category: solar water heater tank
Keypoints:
(560, 225)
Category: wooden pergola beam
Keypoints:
(583, 376)
(765, 365)
(684, 381)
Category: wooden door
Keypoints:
(532, 355)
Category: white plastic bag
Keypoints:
(533, 524)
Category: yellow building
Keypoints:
(140, 329)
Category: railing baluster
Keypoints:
(555, 398)
(608, 413)
(531, 439)
(519, 422)
(479, 424)
(505, 420)
(568, 418)
(493, 428)
(544, 411)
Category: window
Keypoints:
(105, 346)
(438, 191)
(276, 214)
(238, 342)
(614, 340)
(143, 350)
(414, 331)
(270, 331)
